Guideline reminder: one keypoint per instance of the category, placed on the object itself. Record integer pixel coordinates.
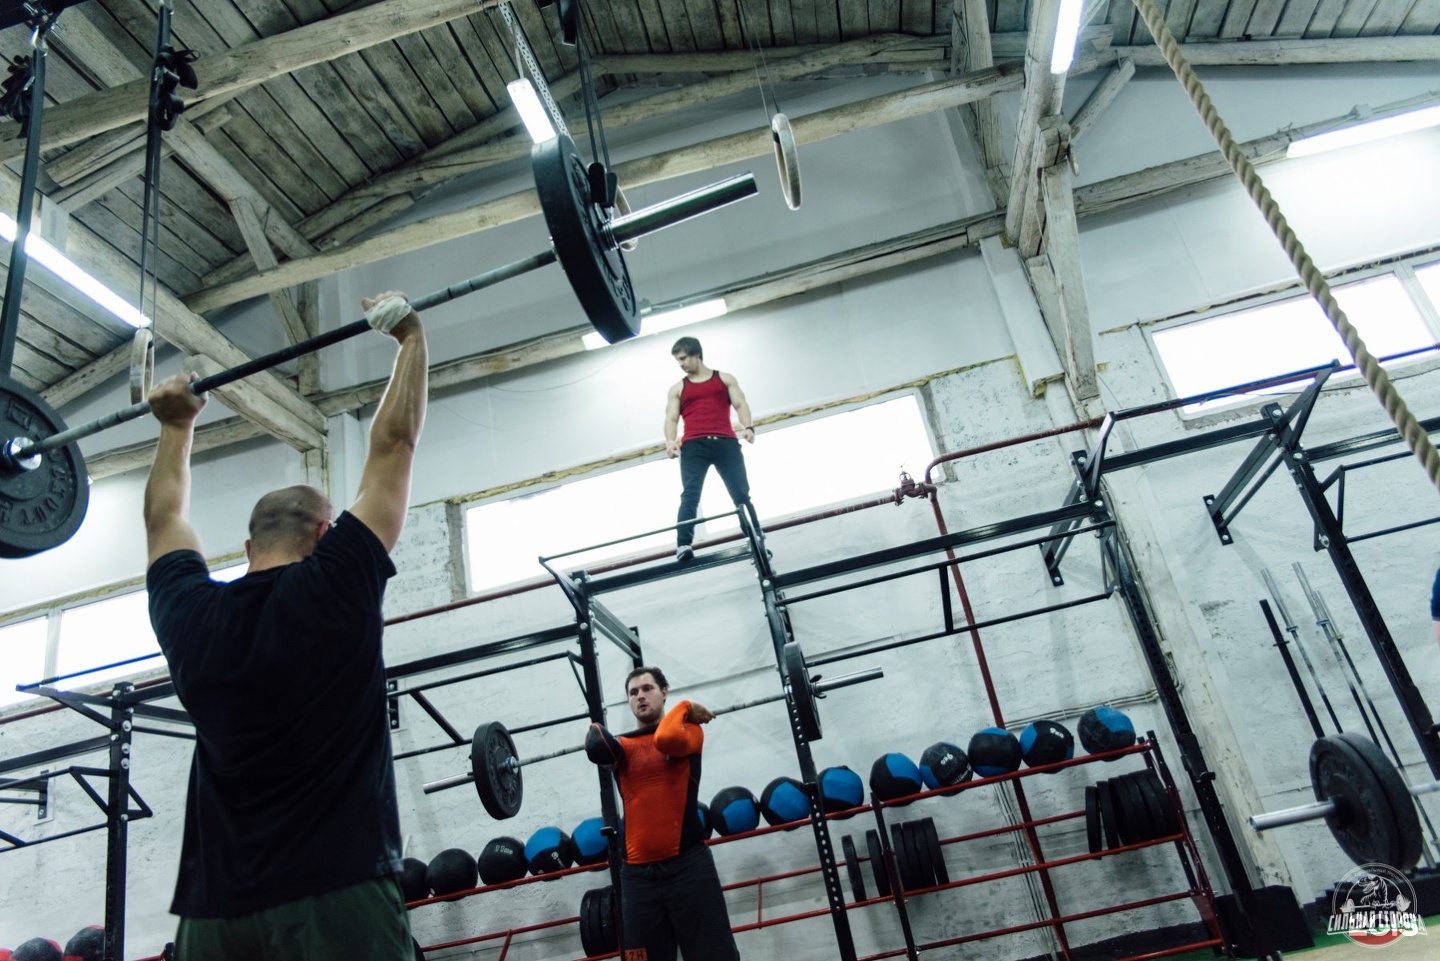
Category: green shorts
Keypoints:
(365, 920)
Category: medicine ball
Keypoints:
(549, 850)
(1105, 729)
(943, 764)
(702, 811)
(734, 810)
(502, 860)
(784, 800)
(894, 776)
(994, 750)
(840, 789)
(88, 944)
(588, 841)
(413, 882)
(451, 870)
(1045, 742)
(37, 949)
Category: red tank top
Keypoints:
(705, 408)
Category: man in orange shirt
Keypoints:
(703, 399)
(670, 894)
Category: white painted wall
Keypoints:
(707, 628)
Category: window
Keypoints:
(1248, 345)
(22, 657)
(106, 632)
(791, 469)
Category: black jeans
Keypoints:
(696, 457)
(675, 903)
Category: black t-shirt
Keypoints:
(292, 785)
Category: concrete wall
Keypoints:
(939, 323)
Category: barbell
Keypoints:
(1363, 799)
(43, 488)
(496, 768)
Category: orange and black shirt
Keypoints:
(659, 782)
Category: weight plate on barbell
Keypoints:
(802, 694)
(787, 159)
(498, 779)
(40, 508)
(852, 867)
(596, 267)
(1375, 819)
(877, 864)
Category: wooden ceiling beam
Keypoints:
(240, 68)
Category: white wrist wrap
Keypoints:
(387, 313)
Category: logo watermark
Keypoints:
(1374, 905)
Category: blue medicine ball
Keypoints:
(734, 810)
(589, 842)
(893, 776)
(993, 751)
(549, 849)
(1046, 742)
(1105, 729)
(840, 789)
(702, 811)
(783, 801)
(943, 764)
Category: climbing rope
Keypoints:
(1375, 376)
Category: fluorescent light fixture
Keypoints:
(662, 320)
(1067, 32)
(67, 270)
(532, 111)
(1366, 131)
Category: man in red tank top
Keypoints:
(703, 400)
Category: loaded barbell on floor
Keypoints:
(496, 767)
(1364, 801)
(43, 495)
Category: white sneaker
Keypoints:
(684, 553)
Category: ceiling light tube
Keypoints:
(660, 320)
(1366, 131)
(532, 112)
(1067, 33)
(50, 257)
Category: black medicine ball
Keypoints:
(88, 944)
(451, 870)
(414, 884)
(1046, 742)
(943, 764)
(37, 949)
(993, 751)
(548, 850)
(893, 776)
(1105, 729)
(734, 810)
(502, 860)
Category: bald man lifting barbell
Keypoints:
(292, 836)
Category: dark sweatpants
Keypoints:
(675, 902)
(696, 457)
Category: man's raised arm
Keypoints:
(167, 492)
(384, 495)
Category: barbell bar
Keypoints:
(42, 494)
(496, 770)
(1363, 799)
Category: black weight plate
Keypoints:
(937, 853)
(589, 942)
(1162, 815)
(900, 850)
(877, 864)
(1137, 813)
(1392, 785)
(42, 507)
(802, 695)
(596, 269)
(1107, 814)
(609, 938)
(1092, 818)
(1364, 823)
(919, 854)
(498, 780)
(852, 867)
